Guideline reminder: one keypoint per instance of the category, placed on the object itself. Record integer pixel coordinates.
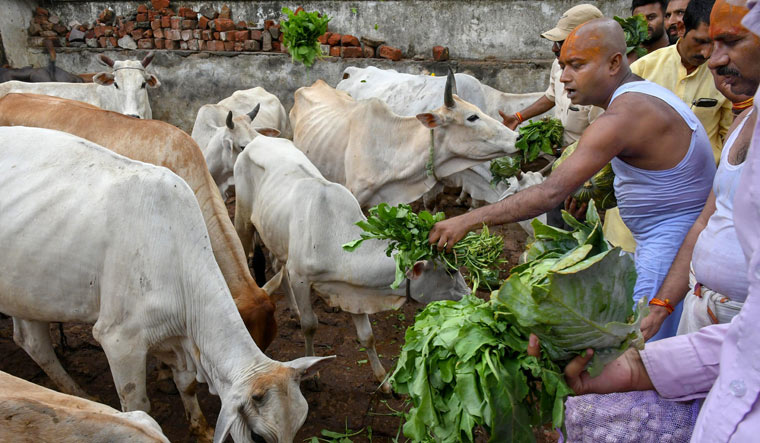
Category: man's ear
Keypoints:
(430, 120)
(616, 63)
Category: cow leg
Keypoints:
(34, 338)
(302, 294)
(187, 385)
(290, 296)
(367, 339)
(127, 357)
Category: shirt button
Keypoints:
(737, 388)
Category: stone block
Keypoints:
(41, 11)
(158, 33)
(62, 30)
(324, 48)
(171, 44)
(275, 31)
(209, 12)
(202, 45)
(251, 45)
(186, 34)
(91, 42)
(238, 47)
(229, 46)
(176, 22)
(192, 45)
(389, 52)
(137, 34)
(34, 29)
(76, 35)
(349, 40)
(127, 42)
(256, 34)
(351, 52)
(158, 43)
(266, 42)
(367, 41)
(189, 24)
(54, 19)
(183, 45)
(172, 34)
(368, 51)
(197, 34)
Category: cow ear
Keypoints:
(430, 120)
(269, 132)
(417, 270)
(152, 81)
(307, 366)
(103, 78)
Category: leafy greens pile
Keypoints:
(544, 135)
(503, 168)
(300, 33)
(408, 235)
(465, 363)
(598, 188)
(636, 33)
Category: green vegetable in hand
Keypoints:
(541, 136)
(408, 235)
(503, 168)
(300, 33)
(636, 33)
(598, 188)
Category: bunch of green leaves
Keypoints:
(575, 292)
(600, 187)
(503, 168)
(407, 233)
(540, 136)
(300, 33)
(464, 364)
(636, 33)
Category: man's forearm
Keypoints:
(540, 106)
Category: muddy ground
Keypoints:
(347, 396)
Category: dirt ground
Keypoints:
(345, 399)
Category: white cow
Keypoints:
(381, 156)
(122, 90)
(222, 130)
(91, 236)
(409, 95)
(303, 219)
(30, 412)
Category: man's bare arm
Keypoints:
(538, 107)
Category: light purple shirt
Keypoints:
(722, 362)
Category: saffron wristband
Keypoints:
(519, 117)
(664, 303)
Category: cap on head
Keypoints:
(573, 17)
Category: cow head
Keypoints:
(463, 131)
(127, 86)
(429, 282)
(267, 405)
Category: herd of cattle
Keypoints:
(137, 240)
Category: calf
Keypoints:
(91, 236)
(304, 219)
(30, 412)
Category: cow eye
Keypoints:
(116, 85)
(143, 85)
(472, 118)
(242, 147)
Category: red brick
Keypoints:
(368, 51)
(334, 51)
(90, 34)
(251, 45)
(158, 43)
(142, 17)
(189, 24)
(276, 46)
(41, 11)
(100, 31)
(171, 44)
(440, 53)
(229, 46)
(136, 34)
(197, 34)
(142, 9)
(218, 45)
(158, 34)
(192, 45)
(129, 27)
(159, 4)
(148, 33)
(155, 24)
(349, 40)
(202, 22)
(241, 25)
(256, 34)
(241, 36)
(389, 52)
(268, 24)
(206, 35)
(145, 43)
(323, 38)
(176, 22)
(238, 46)
(224, 24)
(166, 21)
(112, 42)
(190, 14)
(202, 45)
(217, 35)
(152, 15)
(61, 30)
(351, 52)
(227, 36)
(172, 34)
(186, 34)
(334, 39)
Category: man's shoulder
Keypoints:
(655, 59)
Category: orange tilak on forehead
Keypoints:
(726, 18)
(584, 45)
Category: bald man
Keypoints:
(659, 151)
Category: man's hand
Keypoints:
(652, 322)
(447, 232)
(626, 373)
(576, 210)
(510, 121)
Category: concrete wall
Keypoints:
(15, 16)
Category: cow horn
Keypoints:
(105, 59)
(229, 122)
(148, 58)
(255, 111)
(448, 97)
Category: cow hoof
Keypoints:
(385, 388)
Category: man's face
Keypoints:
(557, 47)
(696, 45)
(674, 19)
(736, 50)
(655, 20)
(583, 68)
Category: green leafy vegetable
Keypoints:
(636, 33)
(300, 33)
(599, 187)
(503, 168)
(408, 235)
(544, 135)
